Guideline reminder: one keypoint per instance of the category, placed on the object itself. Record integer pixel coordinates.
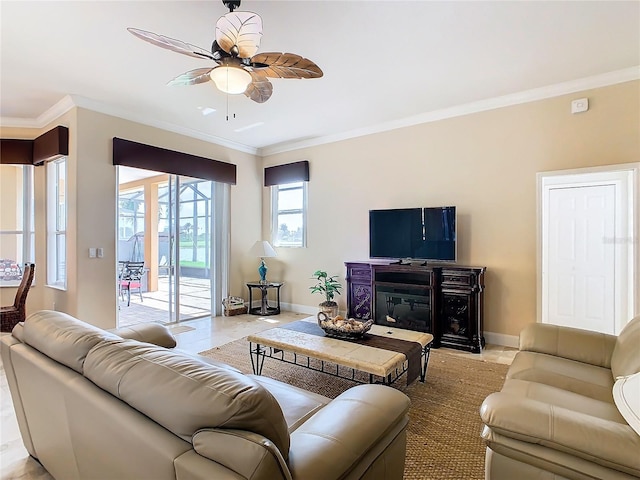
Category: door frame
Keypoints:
(630, 174)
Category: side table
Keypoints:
(264, 308)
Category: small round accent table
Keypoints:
(264, 308)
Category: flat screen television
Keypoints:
(413, 233)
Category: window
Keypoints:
(57, 223)
(16, 222)
(289, 214)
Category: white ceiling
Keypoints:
(384, 62)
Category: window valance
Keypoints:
(48, 146)
(287, 173)
(140, 155)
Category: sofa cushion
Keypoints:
(184, 394)
(572, 343)
(625, 359)
(155, 333)
(62, 338)
(608, 443)
(297, 405)
(559, 397)
(581, 378)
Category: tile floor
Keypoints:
(193, 336)
(195, 301)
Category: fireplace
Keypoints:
(403, 307)
(443, 300)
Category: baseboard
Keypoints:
(295, 308)
(501, 339)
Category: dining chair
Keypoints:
(11, 315)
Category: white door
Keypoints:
(587, 254)
(580, 267)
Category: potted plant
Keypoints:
(329, 287)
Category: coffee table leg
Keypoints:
(257, 355)
(425, 361)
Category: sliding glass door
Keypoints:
(188, 223)
(175, 226)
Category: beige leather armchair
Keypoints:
(555, 417)
(91, 404)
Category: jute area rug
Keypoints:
(443, 436)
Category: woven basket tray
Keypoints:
(357, 329)
(231, 311)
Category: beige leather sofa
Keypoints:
(93, 405)
(556, 417)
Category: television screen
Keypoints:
(413, 233)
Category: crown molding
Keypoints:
(550, 91)
(170, 127)
(71, 101)
(44, 119)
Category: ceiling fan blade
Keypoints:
(239, 33)
(171, 44)
(260, 89)
(285, 65)
(192, 77)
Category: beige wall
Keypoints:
(91, 285)
(484, 163)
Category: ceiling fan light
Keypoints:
(231, 80)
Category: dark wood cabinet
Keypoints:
(461, 307)
(359, 291)
(444, 300)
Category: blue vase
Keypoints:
(262, 270)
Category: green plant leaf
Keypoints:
(327, 286)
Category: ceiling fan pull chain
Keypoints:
(234, 115)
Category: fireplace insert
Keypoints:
(403, 307)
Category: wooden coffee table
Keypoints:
(316, 351)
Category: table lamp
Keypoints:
(262, 249)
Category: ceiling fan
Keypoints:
(239, 69)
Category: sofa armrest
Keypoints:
(571, 343)
(602, 441)
(154, 333)
(355, 427)
(246, 453)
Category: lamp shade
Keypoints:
(262, 249)
(230, 79)
(626, 395)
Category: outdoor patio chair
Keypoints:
(11, 315)
(131, 278)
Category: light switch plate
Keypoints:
(92, 253)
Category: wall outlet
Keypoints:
(100, 252)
